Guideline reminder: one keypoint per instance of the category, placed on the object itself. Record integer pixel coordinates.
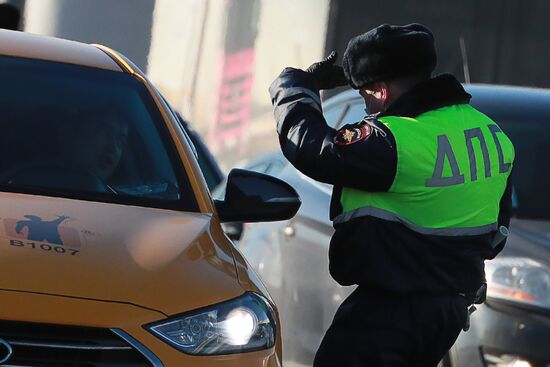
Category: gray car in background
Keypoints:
(511, 329)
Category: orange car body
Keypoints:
(120, 267)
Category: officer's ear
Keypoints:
(385, 94)
(377, 90)
(380, 91)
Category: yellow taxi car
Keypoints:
(111, 248)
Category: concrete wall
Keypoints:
(503, 40)
(187, 51)
(291, 33)
(124, 25)
(187, 46)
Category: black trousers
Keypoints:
(374, 329)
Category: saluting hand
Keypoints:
(327, 74)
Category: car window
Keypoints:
(261, 167)
(345, 113)
(210, 170)
(275, 167)
(269, 165)
(354, 113)
(183, 124)
(265, 164)
(530, 176)
(86, 133)
(333, 114)
(208, 165)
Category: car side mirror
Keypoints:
(255, 197)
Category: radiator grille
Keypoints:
(42, 345)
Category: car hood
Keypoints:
(159, 259)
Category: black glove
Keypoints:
(328, 75)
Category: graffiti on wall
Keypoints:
(231, 118)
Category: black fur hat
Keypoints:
(389, 51)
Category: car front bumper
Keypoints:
(93, 322)
(503, 334)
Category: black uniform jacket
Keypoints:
(382, 255)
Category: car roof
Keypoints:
(501, 94)
(32, 46)
(515, 92)
(510, 100)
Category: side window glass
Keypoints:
(180, 120)
(334, 114)
(208, 166)
(275, 168)
(530, 176)
(262, 167)
(354, 113)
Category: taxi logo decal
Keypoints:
(41, 230)
(45, 234)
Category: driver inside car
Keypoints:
(89, 146)
(95, 143)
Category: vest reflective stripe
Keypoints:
(453, 165)
(387, 215)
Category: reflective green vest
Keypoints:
(452, 168)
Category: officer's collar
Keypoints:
(441, 91)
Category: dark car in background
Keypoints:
(512, 328)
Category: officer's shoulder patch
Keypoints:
(351, 134)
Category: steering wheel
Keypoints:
(54, 175)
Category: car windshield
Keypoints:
(81, 132)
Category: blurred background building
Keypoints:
(214, 59)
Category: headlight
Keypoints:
(243, 324)
(519, 279)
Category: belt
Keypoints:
(477, 297)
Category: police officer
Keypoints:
(421, 195)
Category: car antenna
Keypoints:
(464, 60)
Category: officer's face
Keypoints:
(374, 97)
